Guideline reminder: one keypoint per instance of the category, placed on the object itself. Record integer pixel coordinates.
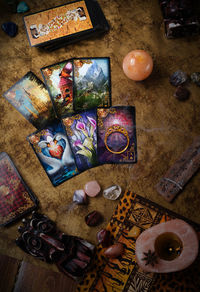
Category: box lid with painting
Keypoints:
(65, 24)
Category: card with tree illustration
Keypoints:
(53, 150)
(117, 135)
(82, 135)
(92, 86)
(58, 80)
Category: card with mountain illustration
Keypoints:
(58, 80)
(30, 97)
(117, 135)
(53, 150)
(82, 135)
(92, 85)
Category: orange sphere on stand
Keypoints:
(137, 65)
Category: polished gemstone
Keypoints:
(177, 78)
(93, 219)
(182, 93)
(137, 65)
(195, 77)
(79, 197)
(112, 192)
(22, 7)
(10, 28)
(114, 250)
(103, 237)
(92, 188)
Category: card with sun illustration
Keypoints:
(116, 135)
(81, 129)
(30, 97)
(53, 151)
(16, 199)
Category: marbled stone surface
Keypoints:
(165, 126)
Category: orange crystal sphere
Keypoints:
(137, 65)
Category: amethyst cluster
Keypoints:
(181, 17)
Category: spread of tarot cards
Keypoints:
(65, 24)
(84, 140)
(77, 128)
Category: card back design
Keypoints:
(91, 83)
(30, 97)
(53, 150)
(117, 135)
(16, 198)
(82, 135)
(57, 22)
(58, 80)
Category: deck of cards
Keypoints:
(77, 127)
(56, 27)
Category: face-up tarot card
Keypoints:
(92, 86)
(58, 80)
(30, 97)
(117, 135)
(82, 135)
(16, 198)
(57, 23)
(52, 148)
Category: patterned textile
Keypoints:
(133, 215)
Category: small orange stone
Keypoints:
(137, 65)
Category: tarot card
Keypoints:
(58, 22)
(117, 135)
(91, 83)
(30, 97)
(16, 199)
(82, 135)
(58, 80)
(53, 150)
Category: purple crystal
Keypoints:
(79, 197)
(177, 78)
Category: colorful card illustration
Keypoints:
(55, 23)
(82, 135)
(58, 80)
(30, 97)
(92, 85)
(16, 198)
(117, 135)
(53, 150)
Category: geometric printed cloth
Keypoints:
(132, 216)
(15, 197)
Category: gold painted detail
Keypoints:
(116, 129)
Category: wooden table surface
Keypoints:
(165, 126)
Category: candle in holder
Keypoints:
(167, 247)
(137, 65)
